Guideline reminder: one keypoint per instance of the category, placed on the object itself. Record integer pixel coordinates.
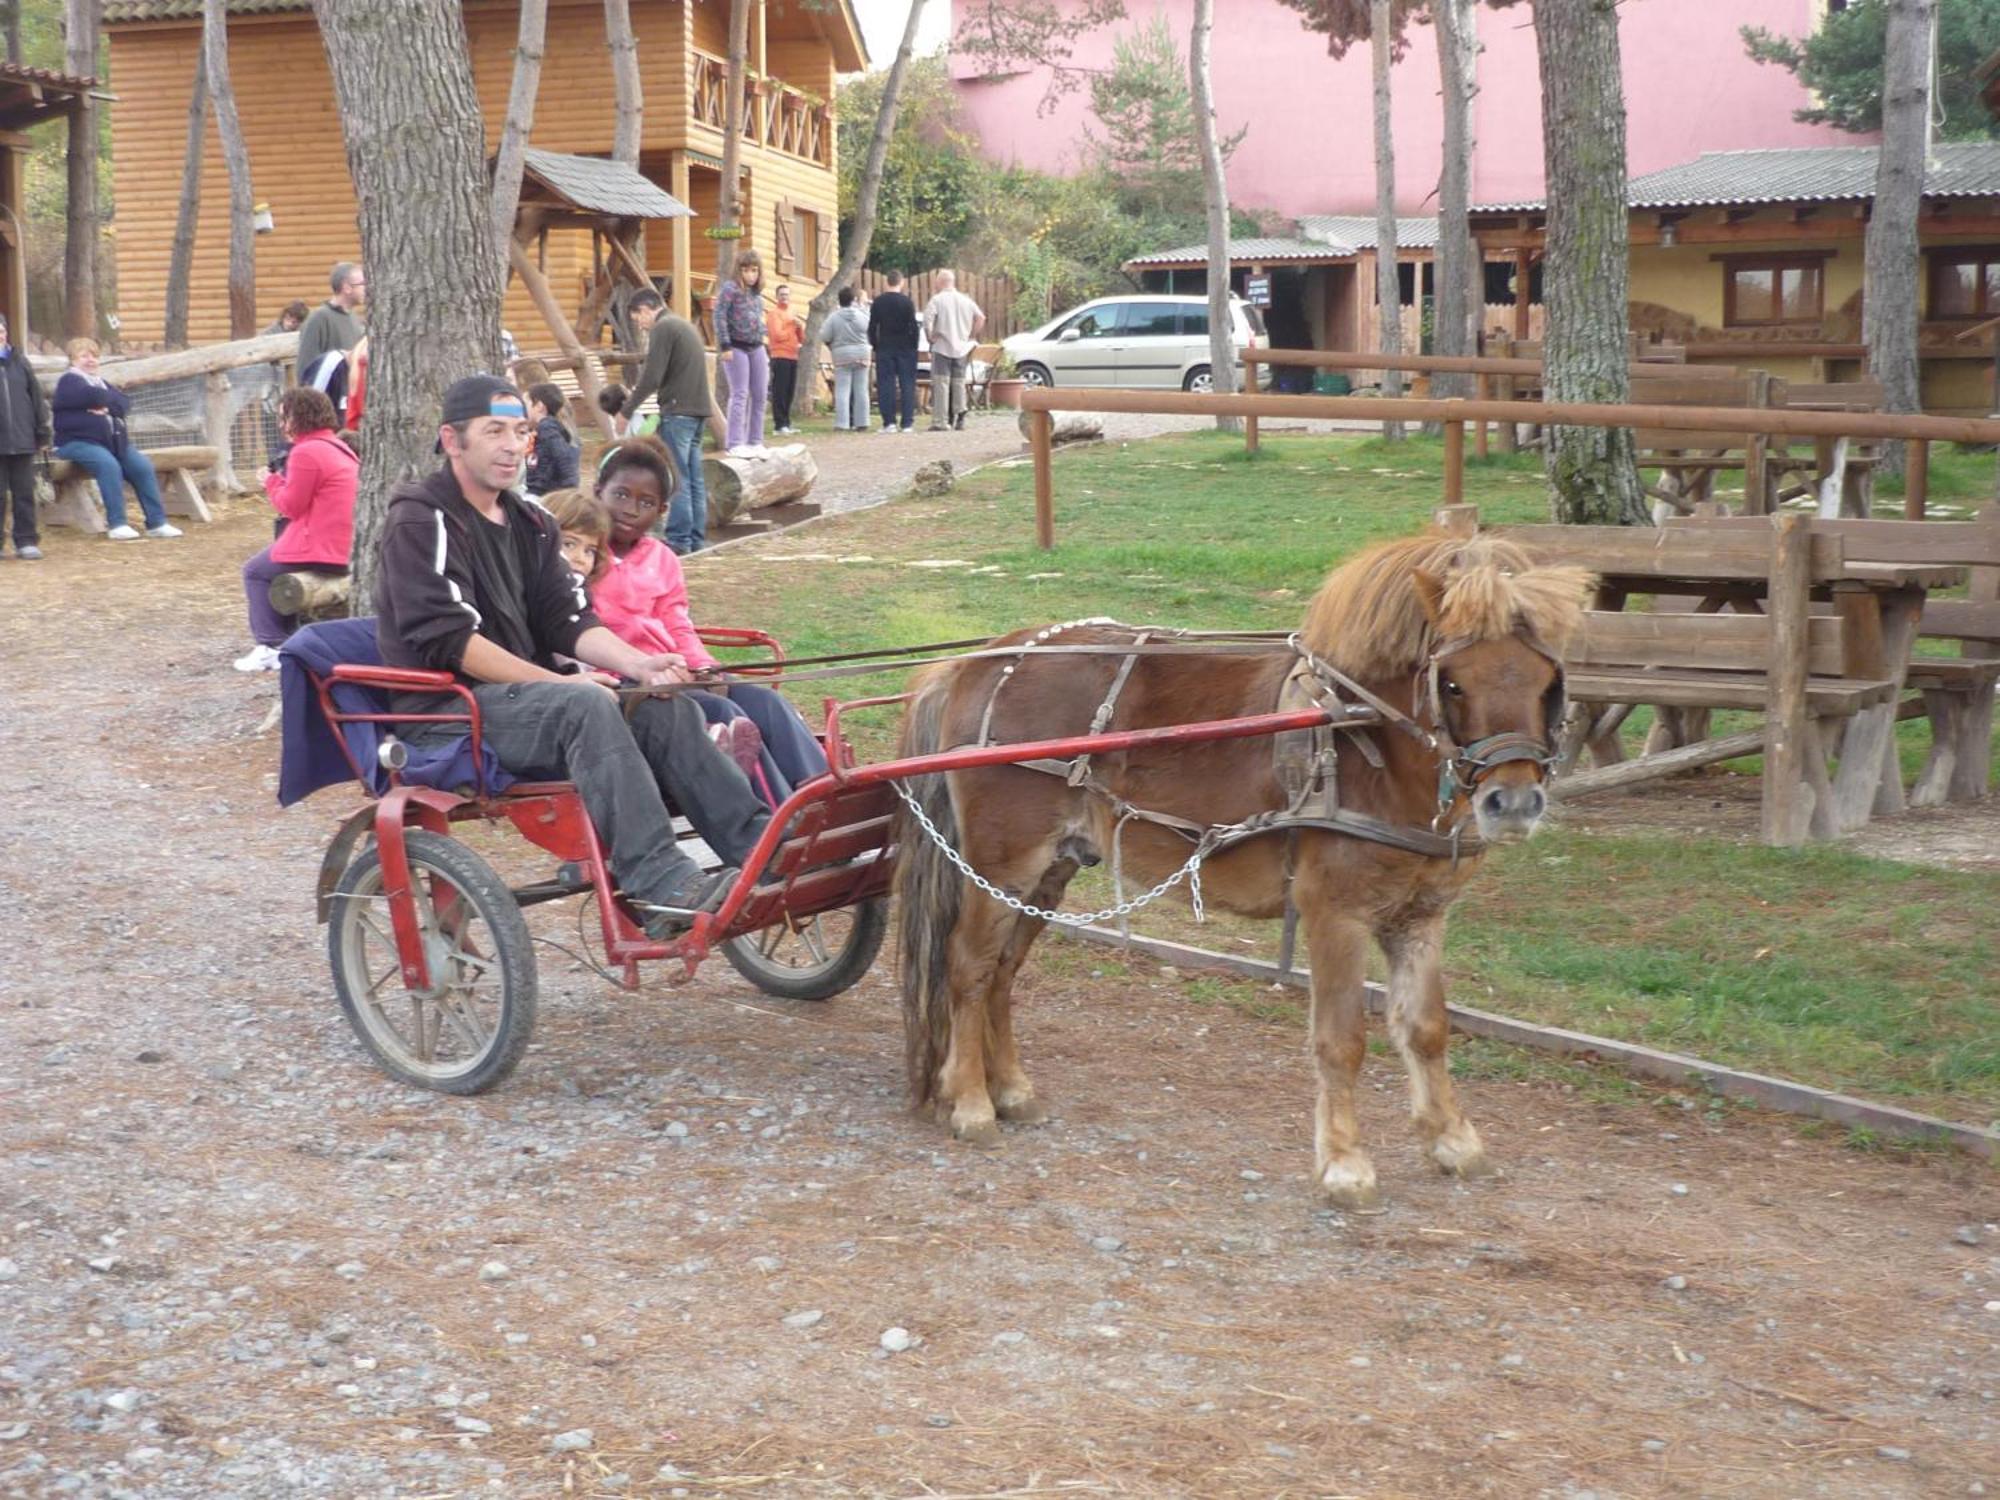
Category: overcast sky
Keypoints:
(882, 26)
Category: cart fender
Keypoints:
(433, 811)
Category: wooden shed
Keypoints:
(299, 165)
(28, 97)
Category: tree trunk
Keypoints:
(868, 192)
(1215, 190)
(508, 161)
(80, 22)
(738, 485)
(628, 90)
(1388, 283)
(417, 155)
(242, 230)
(1889, 308)
(180, 263)
(1592, 469)
(1454, 319)
(729, 211)
(13, 8)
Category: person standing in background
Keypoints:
(952, 323)
(24, 432)
(676, 369)
(742, 337)
(334, 323)
(846, 335)
(786, 331)
(892, 329)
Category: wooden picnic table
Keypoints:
(1880, 605)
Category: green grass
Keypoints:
(1861, 975)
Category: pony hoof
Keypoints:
(1030, 1111)
(1473, 1168)
(1345, 1187)
(984, 1134)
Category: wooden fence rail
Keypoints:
(1039, 401)
(994, 294)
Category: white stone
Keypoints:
(896, 1340)
(494, 1270)
(803, 1319)
(576, 1440)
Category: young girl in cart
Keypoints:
(639, 592)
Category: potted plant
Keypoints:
(1004, 383)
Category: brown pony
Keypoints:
(1459, 638)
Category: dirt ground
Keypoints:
(235, 1260)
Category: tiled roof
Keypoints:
(1260, 248)
(116, 11)
(1357, 231)
(603, 187)
(1804, 174)
(15, 73)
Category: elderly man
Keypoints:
(472, 581)
(951, 322)
(333, 324)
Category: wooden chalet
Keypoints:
(28, 97)
(298, 163)
(1755, 258)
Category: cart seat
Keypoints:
(317, 753)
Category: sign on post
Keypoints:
(1257, 289)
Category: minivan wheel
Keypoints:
(1036, 375)
(1200, 381)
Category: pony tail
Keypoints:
(928, 894)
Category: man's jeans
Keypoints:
(623, 769)
(687, 512)
(896, 375)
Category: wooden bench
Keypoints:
(1806, 672)
(77, 503)
(1688, 461)
(1957, 691)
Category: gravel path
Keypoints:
(697, 1245)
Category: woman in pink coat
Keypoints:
(313, 490)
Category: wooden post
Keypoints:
(215, 431)
(1250, 434)
(1454, 461)
(1041, 439)
(1790, 737)
(545, 302)
(1916, 478)
(1523, 278)
(1482, 390)
(1756, 452)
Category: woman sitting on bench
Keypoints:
(313, 488)
(90, 433)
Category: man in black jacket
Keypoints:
(472, 580)
(24, 431)
(892, 329)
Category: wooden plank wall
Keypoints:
(995, 295)
(299, 163)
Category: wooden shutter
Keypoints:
(829, 247)
(787, 255)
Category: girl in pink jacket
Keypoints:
(314, 494)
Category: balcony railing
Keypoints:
(775, 115)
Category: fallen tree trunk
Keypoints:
(736, 485)
(1068, 427)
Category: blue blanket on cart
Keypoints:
(311, 756)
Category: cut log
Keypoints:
(317, 595)
(736, 484)
(1069, 427)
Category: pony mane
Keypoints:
(1368, 619)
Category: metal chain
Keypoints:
(1190, 872)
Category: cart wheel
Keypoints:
(469, 1030)
(815, 960)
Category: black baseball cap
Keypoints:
(482, 396)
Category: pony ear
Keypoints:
(1430, 594)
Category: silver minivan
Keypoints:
(1146, 342)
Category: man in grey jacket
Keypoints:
(24, 431)
(333, 324)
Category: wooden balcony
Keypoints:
(776, 116)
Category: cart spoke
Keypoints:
(452, 1013)
(814, 940)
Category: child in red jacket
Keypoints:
(314, 494)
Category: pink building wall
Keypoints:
(1689, 88)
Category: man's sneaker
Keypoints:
(257, 659)
(697, 894)
(958, 423)
(163, 531)
(121, 534)
(29, 553)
